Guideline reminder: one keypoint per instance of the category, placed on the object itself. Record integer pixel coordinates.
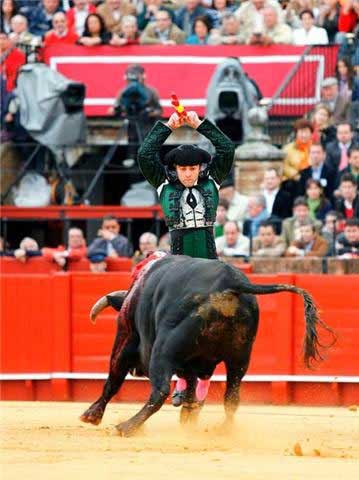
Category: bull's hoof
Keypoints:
(92, 415)
(190, 412)
(126, 429)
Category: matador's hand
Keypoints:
(175, 121)
(192, 119)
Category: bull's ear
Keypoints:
(115, 301)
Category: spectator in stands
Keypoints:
(267, 243)
(333, 226)
(185, 16)
(2, 246)
(129, 33)
(318, 205)
(273, 32)
(238, 203)
(162, 31)
(148, 12)
(297, 152)
(228, 34)
(318, 170)
(338, 105)
(110, 243)
(12, 59)
(60, 35)
(348, 19)
(40, 18)
(257, 213)
(310, 243)
(293, 9)
(164, 244)
(232, 243)
(278, 201)
(328, 18)
(8, 9)
(347, 245)
(348, 202)
(309, 34)
(112, 12)
(201, 27)
(20, 35)
(291, 225)
(324, 130)
(338, 150)
(250, 16)
(222, 7)
(353, 166)
(75, 251)
(221, 217)
(95, 32)
(76, 16)
(347, 80)
(148, 243)
(28, 248)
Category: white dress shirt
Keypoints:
(314, 36)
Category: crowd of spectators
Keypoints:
(173, 22)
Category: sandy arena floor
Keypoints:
(47, 441)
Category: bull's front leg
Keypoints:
(190, 407)
(123, 357)
(160, 374)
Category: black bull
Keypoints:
(184, 317)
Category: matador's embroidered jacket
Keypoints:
(189, 212)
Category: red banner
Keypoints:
(187, 71)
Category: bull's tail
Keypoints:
(114, 300)
(311, 344)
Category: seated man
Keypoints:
(28, 248)
(238, 203)
(221, 217)
(268, 244)
(310, 243)
(75, 251)
(129, 32)
(347, 245)
(148, 243)
(60, 34)
(228, 34)
(110, 243)
(232, 243)
(291, 226)
(257, 212)
(348, 202)
(162, 31)
(332, 228)
(112, 12)
(274, 31)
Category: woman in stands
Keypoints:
(318, 205)
(202, 27)
(8, 9)
(95, 32)
(348, 81)
(297, 152)
(324, 130)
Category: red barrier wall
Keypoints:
(45, 329)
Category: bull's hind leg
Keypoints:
(236, 369)
(160, 374)
(123, 357)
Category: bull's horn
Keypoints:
(113, 299)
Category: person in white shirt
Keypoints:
(238, 203)
(232, 243)
(309, 34)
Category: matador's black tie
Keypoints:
(191, 199)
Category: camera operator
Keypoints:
(139, 103)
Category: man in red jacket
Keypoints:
(75, 251)
(60, 34)
(11, 59)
